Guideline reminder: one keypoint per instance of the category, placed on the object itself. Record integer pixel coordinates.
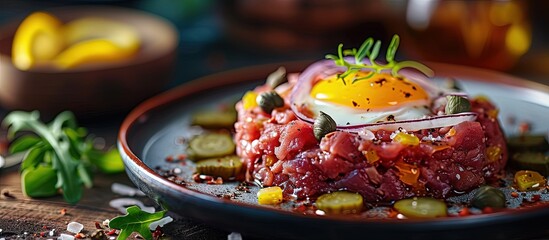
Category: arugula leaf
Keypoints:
(33, 157)
(39, 182)
(60, 145)
(64, 164)
(136, 220)
(23, 143)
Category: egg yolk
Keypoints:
(379, 91)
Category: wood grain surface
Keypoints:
(24, 218)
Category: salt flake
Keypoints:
(122, 203)
(234, 236)
(75, 227)
(65, 237)
(126, 190)
(160, 223)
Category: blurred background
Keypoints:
(214, 36)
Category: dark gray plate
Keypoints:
(153, 131)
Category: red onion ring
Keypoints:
(414, 124)
(325, 68)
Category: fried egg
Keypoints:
(356, 99)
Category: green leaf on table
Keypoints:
(24, 143)
(109, 162)
(136, 220)
(63, 163)
(33, 157)
(63, 147)
(39, 182)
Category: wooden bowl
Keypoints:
(96, 89)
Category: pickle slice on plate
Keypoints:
(526, 180)
(224, 167)
(210, 145)
(421, 207)
(340, 202)
(535, 161)
(214, 119)
(530, 143)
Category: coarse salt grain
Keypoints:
(234, 236)
(75, 227)
(160, 223)
(122, 203)
(65, 237)
(126, 190)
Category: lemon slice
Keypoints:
(38, 39)
(93, 40)
(91, 51)
(123, 35)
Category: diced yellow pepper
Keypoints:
(493, 153)
(249, 100)
(451, 132)
(406, 139)
(269, 196)
(371, 156)
(407, 173)
(481, 99)
(493, 114)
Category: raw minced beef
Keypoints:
(281, 150)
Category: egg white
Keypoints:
(348, 116)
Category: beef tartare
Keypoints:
(356, 125)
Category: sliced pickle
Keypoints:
(422, 207)
(530, 143)
(535, 161)
(340, 202)
(210, 145)
(225, 167)
(529, 181)
(214, 119)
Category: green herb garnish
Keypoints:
(59, 151)
(371, 51)
(135, 221)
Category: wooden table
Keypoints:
(20, 214)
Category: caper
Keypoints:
(269, 101)
(487, 196)
(457, 104)
(323, 125)
(277, 77)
